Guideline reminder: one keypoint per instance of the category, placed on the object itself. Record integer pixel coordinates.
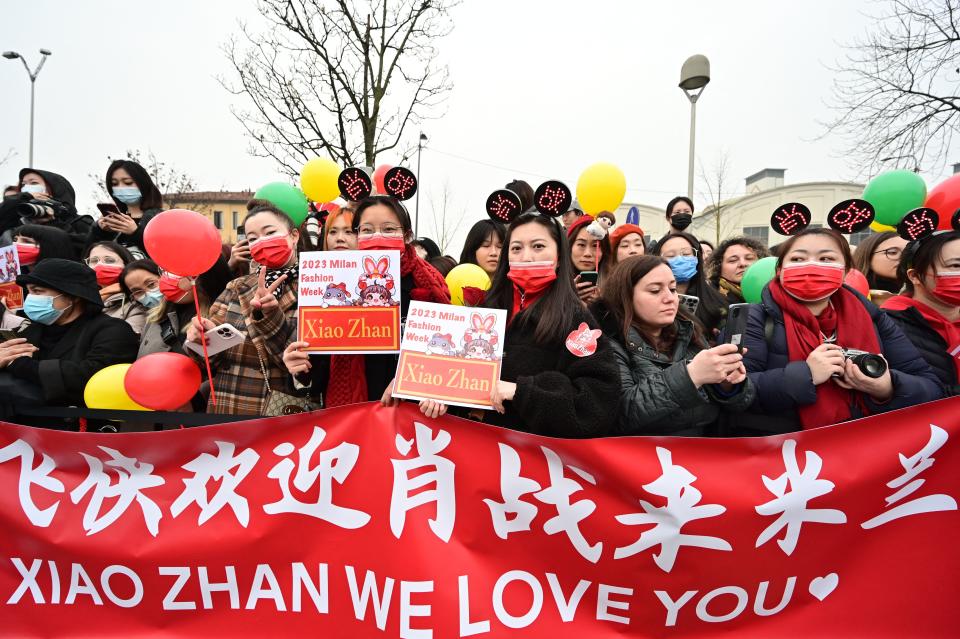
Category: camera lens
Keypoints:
(871, 365)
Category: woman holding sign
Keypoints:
(262, 307)
(817, 351)
(381, 222)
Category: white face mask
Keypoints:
(33, 188)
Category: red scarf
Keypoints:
(428, 284)
(846, 315)
(523, 301)
(348, 381)
(949, 331)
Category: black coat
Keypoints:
(558, 394)
(932, 347)
(69, 355)
(784, 385)
(657, 395)
(133, 242)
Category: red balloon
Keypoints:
(182, 242)
(378, 176)
(854, 280)
(329, 207)
(162, 381)
(945, 200)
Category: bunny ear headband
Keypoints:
(552, 198)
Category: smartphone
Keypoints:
(108, 208)
(736, 324)
(589, 276)
(218, 340)
(690, 303)
(241, 234)
(6, 334)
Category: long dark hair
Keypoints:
(53, 242)
(150, 196)
(553, 313)
(922, 256)
(478, 234)
(617, 296)
(711, 305)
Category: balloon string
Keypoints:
(203, 342)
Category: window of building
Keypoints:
(761, 233)
(218, 219)
(236, 219)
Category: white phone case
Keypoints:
(221, 338)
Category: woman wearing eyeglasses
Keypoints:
(877, 258)
(380, 223)
(682, 253)
(107, 259)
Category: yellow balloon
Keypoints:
(318, 180)
(465, 275)
(601, 187)
(880, 228)
(105, 390)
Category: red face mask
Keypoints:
(378, 242)
(811, 281)
(170, 287)
(107, 274)
(27, 254)
(532, 277)
(272, 251)
(947, 288)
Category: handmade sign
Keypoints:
(11, 295)
(365, 521)
(451, 354)
(349, 301)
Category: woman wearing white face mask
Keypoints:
(46, 199)
(69, 338)
(139, 201)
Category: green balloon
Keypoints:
(894, 194)
(756, 277)
(287, 198)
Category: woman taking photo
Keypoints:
(137, 198)
(682, 253)
(671, 381)
(380, 223)
(928, 311)
(795, 341)
(483, 245)
(108, 259)
(589, 249)
(545, 386)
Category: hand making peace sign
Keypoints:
(263, 298)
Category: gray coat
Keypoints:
(658, 396)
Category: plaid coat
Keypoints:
(237, 378)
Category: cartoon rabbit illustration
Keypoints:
(375, 286)
(442, 345)
(336, 295)
(480, 339)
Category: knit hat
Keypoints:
(65, 276)
(617, 234)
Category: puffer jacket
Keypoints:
(932, 347)
(657, 395)
(783, 385)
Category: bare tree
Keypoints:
(9, 155)
(895, 94)
(344, 79)
(718, 190)
(172, 182)
(446, 221)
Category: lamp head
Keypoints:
(46, 52)
(11, 55)
(423, 137)
(695, 73)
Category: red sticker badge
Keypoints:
(583, 341)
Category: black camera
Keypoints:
(29, 208)
(870, 364)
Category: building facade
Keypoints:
(226, 209)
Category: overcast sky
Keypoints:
(132, 75)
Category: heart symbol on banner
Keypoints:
(821, 587)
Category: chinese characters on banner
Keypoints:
(450, 353)
(10, 292)
(365, 521)
(350, 301)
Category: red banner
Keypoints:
(365, 521)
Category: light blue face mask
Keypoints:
(684, 267)
(151, 299)
(127, 194)
(39, 308)
(33, 188)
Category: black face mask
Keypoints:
(880, 283)
(681, 221)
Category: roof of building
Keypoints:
(210, 196)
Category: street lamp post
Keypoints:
(13, 55)
(416, 224)
(694, 76)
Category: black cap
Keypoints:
(65, 276)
